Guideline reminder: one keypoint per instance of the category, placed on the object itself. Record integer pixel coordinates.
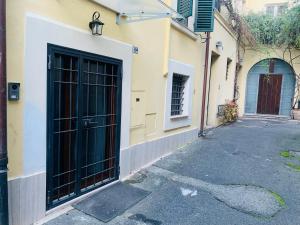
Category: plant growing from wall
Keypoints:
(243, 34)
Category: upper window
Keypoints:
(178, 87)
(281, 9)
(197, 15)
(271, 10)
(185, 8)
(276, 9)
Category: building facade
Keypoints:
(93, 110)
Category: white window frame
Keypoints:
(185, 119)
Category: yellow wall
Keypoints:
(258, 5)
(157, 40)
(64, 11)
(221, 90)
(193, 53)
(185, 49)
(149, 36)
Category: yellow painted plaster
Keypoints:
(187, 50)
(258, 5)
(75, 13)
(149, 66)
(221, 90)
(157, 41)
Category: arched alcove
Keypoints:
(270, 88)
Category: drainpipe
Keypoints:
(3, 125)
(237, 69)
(235, 82)
(208, 94)
(201, 132)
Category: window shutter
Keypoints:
(185, 7)
(204, 16)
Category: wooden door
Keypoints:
(269, 94)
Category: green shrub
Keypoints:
(283, 30)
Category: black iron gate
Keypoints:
(83, 124)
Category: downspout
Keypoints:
(201, 132)
(237, 69)
(3, 123)
(235, 83)
(208, 94)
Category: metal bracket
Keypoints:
(123, 18)
(201, 133)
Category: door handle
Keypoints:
(89, 123)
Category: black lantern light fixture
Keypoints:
(96, 25)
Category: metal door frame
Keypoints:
(81, 55)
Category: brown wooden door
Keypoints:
(269, 94)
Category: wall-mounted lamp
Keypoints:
(96, 25)
(219, 45)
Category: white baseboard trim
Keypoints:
(142, 155)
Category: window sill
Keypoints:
(184, 30)
(178, 117)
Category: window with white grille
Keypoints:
(178, 88)
(179, 95)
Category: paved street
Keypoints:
(241, 174)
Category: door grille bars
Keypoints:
(84, 97)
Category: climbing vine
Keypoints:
(279, 31)
(242, 31)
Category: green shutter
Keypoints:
(204, 16)
(185, 8)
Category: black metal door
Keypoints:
(84, 108)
